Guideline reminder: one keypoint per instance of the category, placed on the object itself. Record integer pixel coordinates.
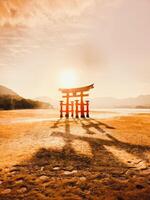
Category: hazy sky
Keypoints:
(106, 42)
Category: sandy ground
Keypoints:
(73, 159)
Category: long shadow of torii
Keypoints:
(101, 156)
(44, 173)
(101, 170)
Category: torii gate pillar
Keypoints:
(75, 93)
(82, 106)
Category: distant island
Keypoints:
(10, 100)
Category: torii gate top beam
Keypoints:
(79, 89)
(75, 92)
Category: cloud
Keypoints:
(33, 12)
(29, 12)
(63, 26)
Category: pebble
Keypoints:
(82, 178)
(56, 168)
(22, 190)
(43, 178)
(70, 172)
(6, 191)
(42, 168)
(19, 181)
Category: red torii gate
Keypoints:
(76, 93)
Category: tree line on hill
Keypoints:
(9, 103)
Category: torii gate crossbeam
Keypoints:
(76, 93)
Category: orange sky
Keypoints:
(105, 42)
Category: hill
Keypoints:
(11, 100)
(4, 91)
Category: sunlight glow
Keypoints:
(68, 78)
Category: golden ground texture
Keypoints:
(74, 159)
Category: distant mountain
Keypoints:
(142, 101)
(11, 100)
(4, 91)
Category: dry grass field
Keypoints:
(90, 159)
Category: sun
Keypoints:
(68, 78)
